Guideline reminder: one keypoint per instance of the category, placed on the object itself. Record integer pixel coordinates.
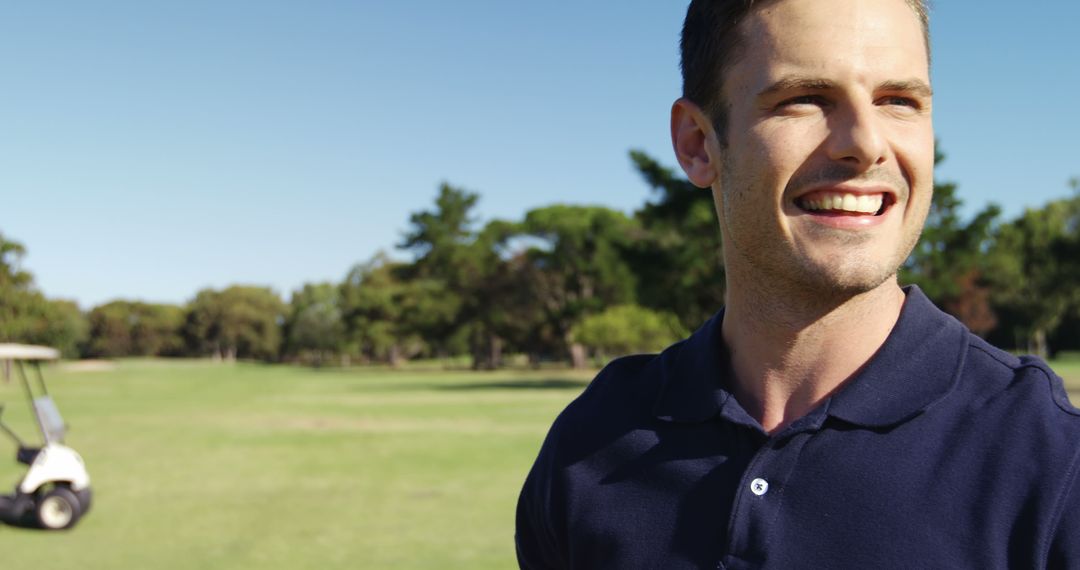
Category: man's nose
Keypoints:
(856, 138)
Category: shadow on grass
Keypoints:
(523, 384)
(12, 517)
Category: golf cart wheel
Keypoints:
(58, 509)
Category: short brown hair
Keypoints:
(710, 44)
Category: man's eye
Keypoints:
(802, 100)
(898, 101)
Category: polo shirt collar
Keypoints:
(918, 365)
(694, 373)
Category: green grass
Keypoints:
(198, 465)
(1068, 368)
(206, 466)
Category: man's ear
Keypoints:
(691, 131)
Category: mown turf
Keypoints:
(1069, 370)
(206, 466)
(198, 465)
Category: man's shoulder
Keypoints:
(1028, 380)
(626, 385)
(1020, 407)
(620, 398)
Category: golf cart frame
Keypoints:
(55, 492)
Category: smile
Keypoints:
(845, 203)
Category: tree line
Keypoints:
(563, 283)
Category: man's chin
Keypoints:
(838, 282)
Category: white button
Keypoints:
(759, 486)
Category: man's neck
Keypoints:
(791, 352)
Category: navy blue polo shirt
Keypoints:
(943, 452)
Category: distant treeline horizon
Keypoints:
(565, 282)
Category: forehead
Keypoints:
(840, 40)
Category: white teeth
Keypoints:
(844, 202)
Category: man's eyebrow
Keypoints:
(914, 86)
(796, 83)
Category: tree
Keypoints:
(680, 250)
(1034, 270)
(11, 274)
(438, 236)
(628, 329)
(21, 308)
(133, 328)
(26, 316)
(948, 262)
(578, 266)
(157, 330)
(443, 241)
(501, 310)
(237, 322)
(110, 331)
(373, 305)
(314, 329)
(68, 328)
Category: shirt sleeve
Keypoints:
(535, 538)
(1064, 552)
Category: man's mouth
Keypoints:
(845, 203)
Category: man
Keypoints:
(826, 417)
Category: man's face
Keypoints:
(827, 174)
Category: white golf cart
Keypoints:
(55, 492)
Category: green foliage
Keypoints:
(126, 328)
(580, 258)
(579, 266)
(1035, 270)
(628, 329)
(67, 327)
(26, 316)
(314, 329)
(440, 303)
(440, 236)
(680, 250)
(502, 311)
(948, 263)
(11, 274)
(374, 300)
(237, 322)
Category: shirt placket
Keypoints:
(759, 498)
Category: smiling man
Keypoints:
(825, 417)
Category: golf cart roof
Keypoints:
(27, 352)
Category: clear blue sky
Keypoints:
(151, 149)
